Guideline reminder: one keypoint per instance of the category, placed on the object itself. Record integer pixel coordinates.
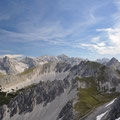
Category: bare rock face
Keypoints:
(8, 66)
(66, 112)
(72, 60)
(31, 62)
(42, 93)
(11, 66)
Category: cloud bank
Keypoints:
(108, 41)
(12, 56)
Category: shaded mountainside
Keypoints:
(62, 91)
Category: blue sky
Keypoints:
(79, 28)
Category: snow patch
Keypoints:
(99, 117)
(118, 118)
(111, 102)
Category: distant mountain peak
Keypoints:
(62, 55)
(114, 60)
(114, 63)
(103, 60)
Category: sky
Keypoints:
(79, 28)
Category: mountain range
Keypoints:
(14, 66)
(59, 88)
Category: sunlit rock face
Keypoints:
(12, 66)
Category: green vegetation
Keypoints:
(1, 75)
(92, 65)
(27, 71)
(118, 71)
(4, 98)
(103, 68)
(89, 97)
(48, 63)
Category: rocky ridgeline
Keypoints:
(10, 66)
(47, 71)
(43, 93)
(58, 90)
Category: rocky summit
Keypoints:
(59, 88)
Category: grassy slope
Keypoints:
(92, 65)
(90, 97)
(5, 99)
(27, 71)
(1, 75)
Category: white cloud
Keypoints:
(109, 46)
(109, 37)
(113, 35)
(95, 39)
(102, 48)
(5, 51)
(12, 56)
